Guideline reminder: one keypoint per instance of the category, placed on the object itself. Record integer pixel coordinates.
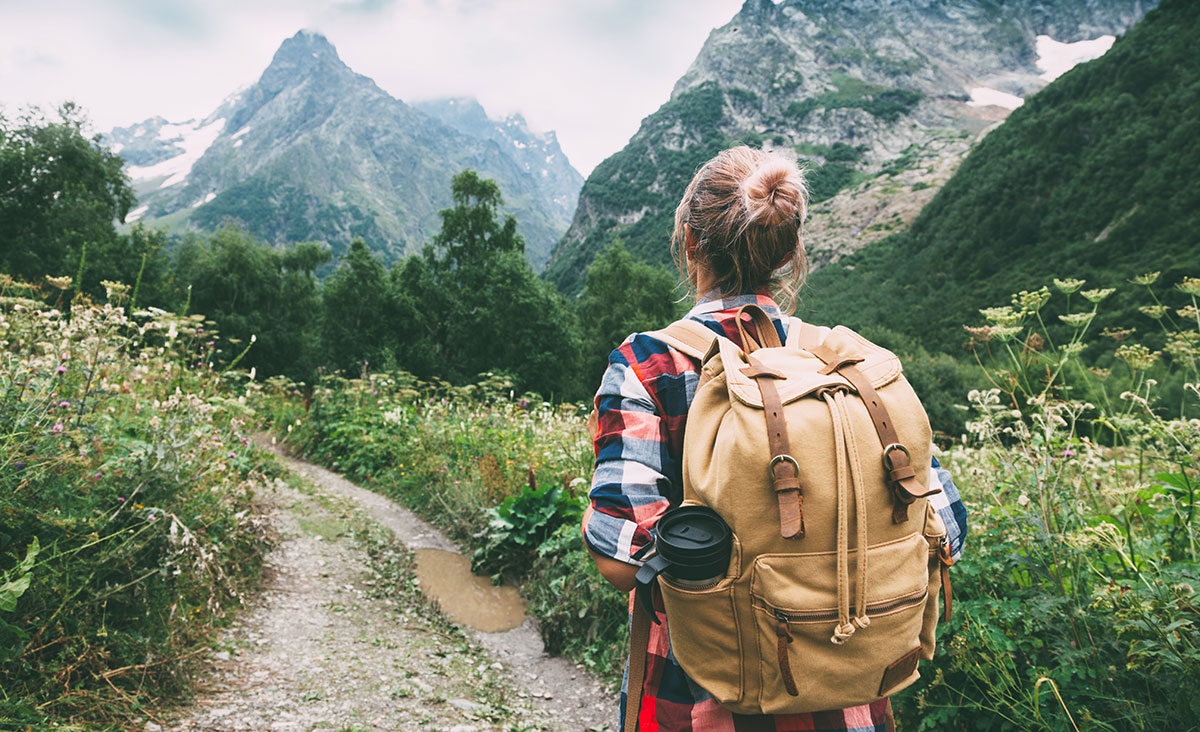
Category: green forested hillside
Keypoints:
(1095, 177)
(847, 87)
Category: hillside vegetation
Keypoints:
(129, 527)
(857, 92)
(1094, 177)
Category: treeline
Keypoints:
(468, 303)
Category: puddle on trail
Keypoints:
(467, 598)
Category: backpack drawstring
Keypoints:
(849, 475)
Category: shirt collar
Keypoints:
(714, 301)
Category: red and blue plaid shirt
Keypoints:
(642, 409)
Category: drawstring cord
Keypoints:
(849, 475)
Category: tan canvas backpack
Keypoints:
(810, 451)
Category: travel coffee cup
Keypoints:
(692, 548)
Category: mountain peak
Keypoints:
(305, 51)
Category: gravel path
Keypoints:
(340, 639)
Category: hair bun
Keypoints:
(774, 192)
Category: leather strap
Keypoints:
(686, 336)
(902, 478)
(639, 642)
(781, 651)
(785, 472)
(802, 335)
(762, 324)
(889, 718)
(945, 560)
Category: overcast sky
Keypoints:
(588, 69)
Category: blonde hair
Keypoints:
(745, 208)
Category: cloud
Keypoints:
(589, 70)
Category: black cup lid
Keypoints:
(692, 534)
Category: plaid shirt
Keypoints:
(642, 408)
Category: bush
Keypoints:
(127, 483)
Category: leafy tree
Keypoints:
(254, 291)
(59, 191)
(356, 304)
(621, 296)
(473, 304)
(470, 230)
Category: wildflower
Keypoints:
(1189, 311)
(1137, 356)
(152, 517)
(1068, 453)
(1077, 320)
(62, 369)
(1118, 334)
(62, 283)
(232, 455)
(1190, 285)
(982, 334)
(1031, 302)
(64, 404)
(1146, 279)
(1002, 315)
(1154, 311)
(1097, 295)
(1006, 333)
(1068, 286)
(1023, 500)
(57, 428)
(97, 476)
(120, 499)
(114, 290)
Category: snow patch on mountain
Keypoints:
(194, 139)
(1056, 59)
(983, 96)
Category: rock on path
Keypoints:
(320, 649)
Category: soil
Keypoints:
(332, 644)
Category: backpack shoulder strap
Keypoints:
(686, 336)
(802, 335)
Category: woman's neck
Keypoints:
(704, 282)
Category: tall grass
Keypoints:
(128, 523)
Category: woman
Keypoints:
(736, 241)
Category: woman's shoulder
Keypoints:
(651, 357)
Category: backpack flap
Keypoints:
(802, 369)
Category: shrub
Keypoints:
(127, 487)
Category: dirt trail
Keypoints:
(324, 647)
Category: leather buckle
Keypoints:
(887, 455)
(784, 458)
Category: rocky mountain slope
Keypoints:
(314, 150)
(1093, 178)
(882, 98)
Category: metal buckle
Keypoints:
(887, 454)
(783, 458)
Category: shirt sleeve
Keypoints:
(628, 493)
(950, 507)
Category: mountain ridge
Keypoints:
(854, 88)
(316, 151)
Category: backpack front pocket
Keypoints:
(795, 599)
